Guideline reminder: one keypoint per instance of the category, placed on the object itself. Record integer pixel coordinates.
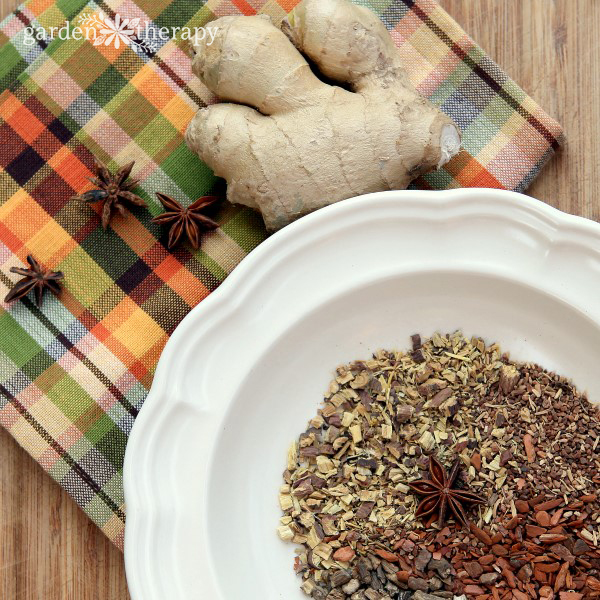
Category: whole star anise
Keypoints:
(440, 494)
(188, 221)
(114, 191)
(36, 278)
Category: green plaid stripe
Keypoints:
(74, 374)
(18, 49)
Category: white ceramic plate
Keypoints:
(247, 368)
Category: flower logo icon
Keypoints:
(117, 31)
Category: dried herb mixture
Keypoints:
(526, 442)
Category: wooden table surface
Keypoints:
(50, 550)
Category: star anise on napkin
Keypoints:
(113, 190)
(440, 494)
(188, 221)
(35, 278)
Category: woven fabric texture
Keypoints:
(74, 374)
(17, 48)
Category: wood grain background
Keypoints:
(48, 547)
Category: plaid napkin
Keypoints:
(74, 374)
(17, 51)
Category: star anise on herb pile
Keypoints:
(185, 221)
(440, 494)
(35, 278)
(114, 191)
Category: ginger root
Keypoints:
(287, 142)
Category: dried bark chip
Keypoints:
(509, 377)
(418, 356)
(309, 452)
(418, 595)
(553, 567)
(533, 502)
(403, 576)
(340, 578)
(474, 569)
(593, 583)
(441, 566)
(500, 420)
(416, 341)
(417, 583)
(576, 524)
(404, 413)
(365, 509)
(367, 463)
(522, 506)
(506, 456)
(432, 386)
(550, 504)
(423, 374)
(422, 560)
(540, 576)
(543, 518)
(474, 590)
(480, 534)
(557, 517)
(580, 547)
(489, 578)
(525, 573)
(389, 556)
(500, 550)
(344, 554)
(552, 538)
(534, 531)
(563, 553)
(510, 578)
(439, 398)
(561, 578)
(529, 447)
(364, 570)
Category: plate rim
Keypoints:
(140, 506)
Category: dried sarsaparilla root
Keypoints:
(414, 476)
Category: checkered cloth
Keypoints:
(16, 52)
(74, 374)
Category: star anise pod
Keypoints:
(113, 190)
(440, 494)
(188, 221)
(36, 278)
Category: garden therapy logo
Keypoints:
(119, 31)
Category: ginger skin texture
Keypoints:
(286, 142)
